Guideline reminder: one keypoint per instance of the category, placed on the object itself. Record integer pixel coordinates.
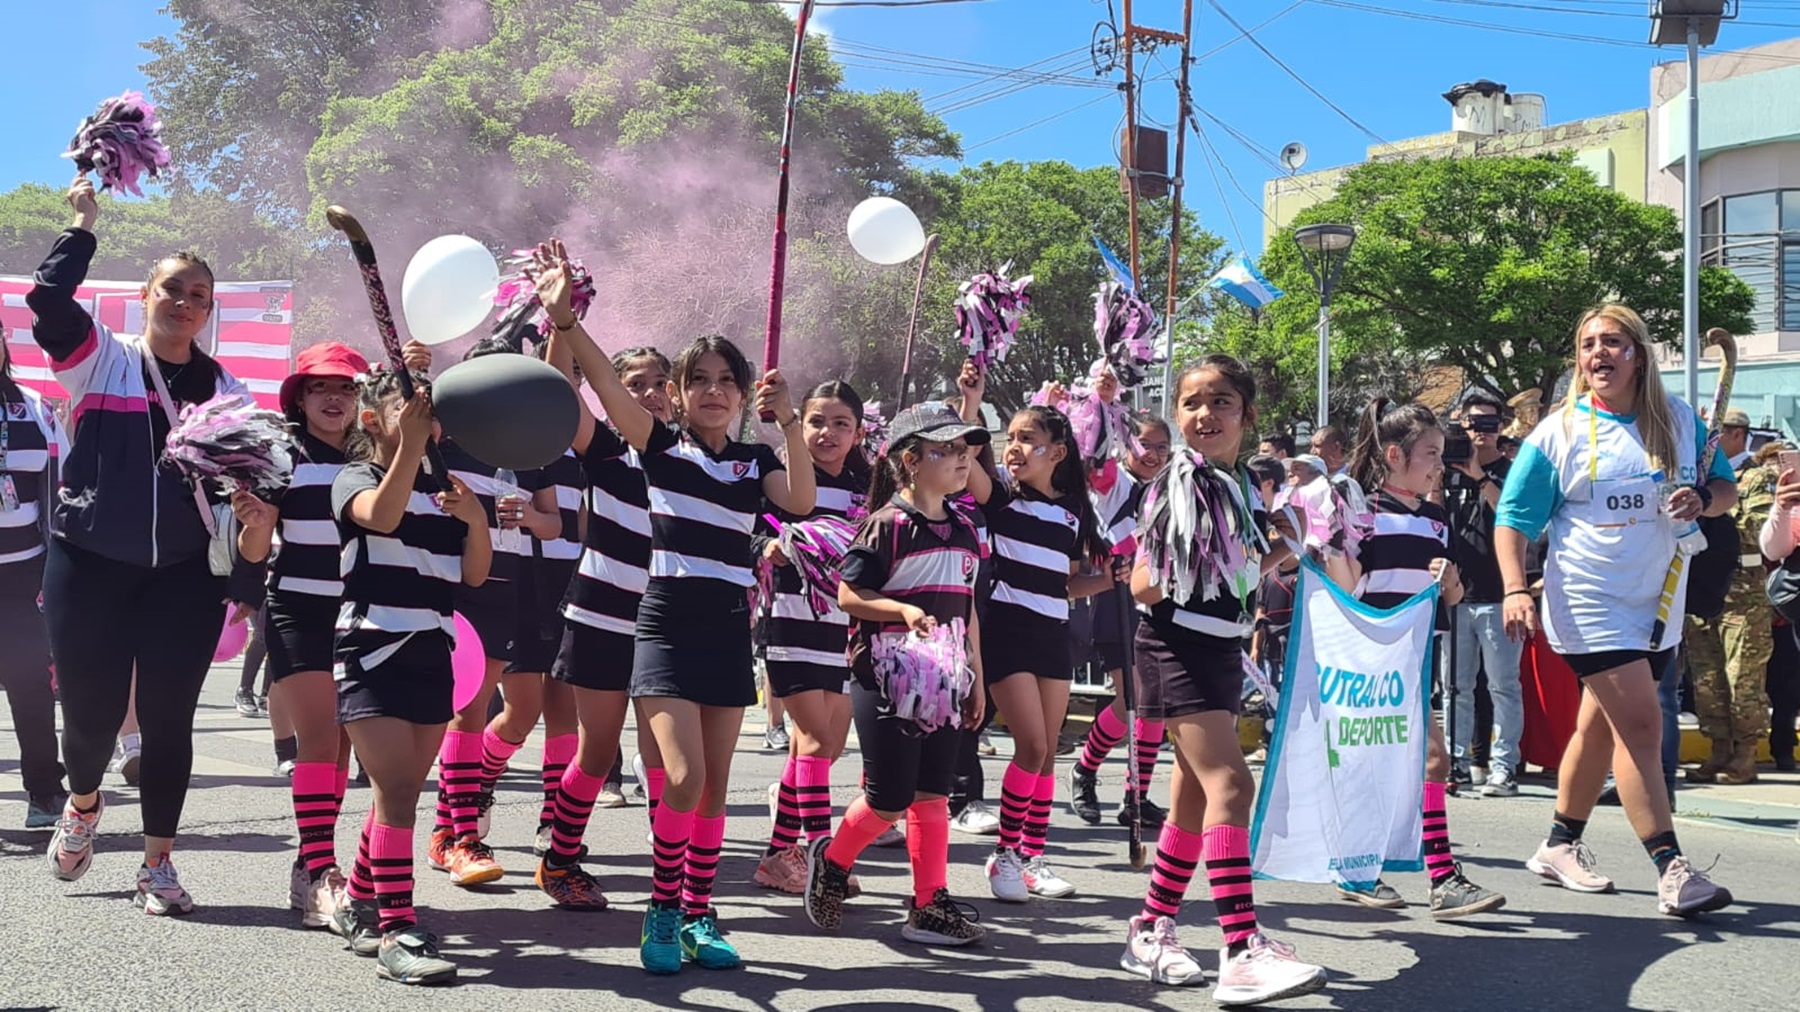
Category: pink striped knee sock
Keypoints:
(574, 803)
(315, 815)
(1226, 850)
(1438, 861)
(1017, 786)
(812, 786)
(785, 832)
(391, 866)
(655, 778)
(668, 854)
(1037, 817)
(1103, 737)
(1177, 857)
(495, 752)
(459, 765)
(361, 885)
(1149, 746)
(559, 751)
(702, 864)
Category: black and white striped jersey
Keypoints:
(704, 505)
(307, 546)
(615, 556)
(398, 585)
(1036, 541)
(794, 634)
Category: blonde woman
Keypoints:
(1597, 472)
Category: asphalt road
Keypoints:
(82, 946)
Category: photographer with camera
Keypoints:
(1474, 471)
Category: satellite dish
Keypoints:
(1293, 157)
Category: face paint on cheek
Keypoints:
(1039, 451)
(1628, 352)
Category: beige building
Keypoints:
(1486, 120)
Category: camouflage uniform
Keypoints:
(1729, 657)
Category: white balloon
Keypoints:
(448, 289)
(885, 231)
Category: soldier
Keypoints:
(1730, 658)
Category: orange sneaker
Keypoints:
(571, 888)
(437, 852)
(471, 863)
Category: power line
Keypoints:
(1303, 82)
(1036, 123)
(1224, 202)
(1242, 35)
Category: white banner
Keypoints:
(1340, 795)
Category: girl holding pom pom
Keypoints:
(705, 492)
(911, 571)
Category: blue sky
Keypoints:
(1384, 70)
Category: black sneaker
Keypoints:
(1150, 815)
(246, 704)
(42, 810)
(410, 956)
(827, 886)
(355, 922)
(943, 921)
(1458, 897)
(1082, 800)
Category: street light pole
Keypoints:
(1324, 249)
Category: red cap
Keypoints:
(328, 360)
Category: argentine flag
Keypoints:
(1116, 267)
(1242, 281)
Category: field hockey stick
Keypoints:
(1728, 354)
(364, 250)
(778, 264)
(1134, 846)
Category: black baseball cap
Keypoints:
(935, 422)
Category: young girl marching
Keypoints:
(1199, 589)
(1118, 493)
(706, 491)
(474, 753)
(1044, 531)
(910, 572)
(405, 551)
(305, 589)
(600, 615)
(1399, 459)
(805, 659)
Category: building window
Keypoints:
(1712, 232)
(1754, 250)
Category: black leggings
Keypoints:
(256, 652)
(897, 765)
(25, 675)
(107, 618)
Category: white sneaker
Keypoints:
(322, 899)
(642, 789)
(71, 848)
(159, 890)
(1152, 952)
(1265, 971)
(1006, 876)
(299, 885)
(1042, 880)
(774, 802)
(126, 758)
(976, 819)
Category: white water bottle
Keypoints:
(506, 487)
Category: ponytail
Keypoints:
(1384, 424)
(889, 473)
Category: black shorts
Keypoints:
(1586, 665)
(1109, 641)
(1185, 673)
(899, 760)
(415, 684)
(300, 629)
(787, 678)
(492, 609)
(1010, 645)
(693, 643)
(591, 658)
(538, 639)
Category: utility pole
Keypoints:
(1129, 157)
(1184, 105)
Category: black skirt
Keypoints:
(493, 610)
(300, 629)
(415, 683)
(1037, 646)
(1179, 673)
(591, 658)
(693, 643)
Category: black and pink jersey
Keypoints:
(905, 556)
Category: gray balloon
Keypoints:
(511, 411)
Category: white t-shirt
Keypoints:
(1586, 476)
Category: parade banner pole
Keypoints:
(778, 266)
(912, 322)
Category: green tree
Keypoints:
(1044, 217)
(1482, 264)
(134, 232)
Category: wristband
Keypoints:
(790, 423)
(1512, 593)
(1706, 497)
(568, 328)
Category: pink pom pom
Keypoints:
(120, 142)
(516, 300)
(988, 310)
(1124, 325)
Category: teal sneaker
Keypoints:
(702, 943)
(659, 946)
